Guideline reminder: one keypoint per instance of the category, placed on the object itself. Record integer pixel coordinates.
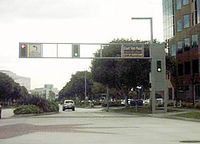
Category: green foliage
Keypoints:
(53, 106)
(171, 65)
(193, 115)
(27, 109)
(187, 105)
(43, 104)
(130, 110)
(6, 86)
(197, 105)
(75, 88)
(112, 104)
(98, 88)
(83, 104)
(123, 73)
(10, 90)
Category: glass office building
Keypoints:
(182, 33)
(168, 18)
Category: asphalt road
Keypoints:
(92, 126)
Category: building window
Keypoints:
(173, 50)
(186, 44)
(180, 47)
(185, 2)
(186, 21)
(178, 4)
(195, 66)
(198, 11)
(187, 68)
(197, 91)
(179, 26)
(180, 69)
(195, 41)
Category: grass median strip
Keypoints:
(130, 110)
(192, 115)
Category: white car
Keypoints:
(146, 101)
(159, 101)
(69, 104)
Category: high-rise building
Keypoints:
(182, 32)
(47, 92)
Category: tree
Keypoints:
(6, 87)
(10, 90)
(98, 88)
(171, 64)
(17, 92)
(123, 72)
(75, 88)
(24, 92)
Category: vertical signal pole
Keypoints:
(151, 78)
(107, 98)
(85, 86)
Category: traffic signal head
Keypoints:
(23, 51)
(75, 51)
(159, 66)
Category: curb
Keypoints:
(30, 115)
(182, 118)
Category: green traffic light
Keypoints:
(75, 51)
(159, 67)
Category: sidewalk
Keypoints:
(7, 113)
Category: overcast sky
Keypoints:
(77, 21)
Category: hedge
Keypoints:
(27, 109)
(43, 104)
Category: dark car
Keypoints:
(137, 102)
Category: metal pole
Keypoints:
(151, 25)
(151, 78)
(85, 86)
(107, 98)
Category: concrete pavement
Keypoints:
(86, 126)
(7, 113)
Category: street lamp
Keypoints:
(85, 77)
(151, 24)
(151, 78)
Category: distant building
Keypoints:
(182, 34)
(23, 81)
(47, 92)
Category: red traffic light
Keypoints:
(23, 46)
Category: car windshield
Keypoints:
(69, 102)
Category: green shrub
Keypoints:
(187, 105)
(43, 104)
(197, 105)
(53, 106)
(27, 109)
(112, 104)
(170, 104)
